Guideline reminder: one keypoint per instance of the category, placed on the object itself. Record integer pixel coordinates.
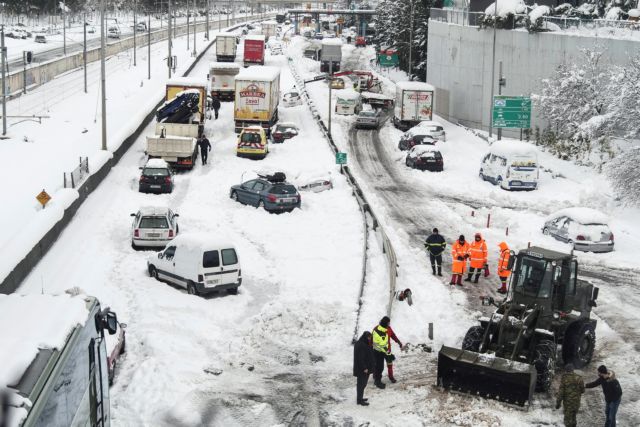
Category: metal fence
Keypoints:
(549, 23)
(78, 175)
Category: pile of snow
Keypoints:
(202, 241)
(513, 148)
(187, 82)
(506, 8)
(581, 214)
(613, 14)
(539, 12)
(634, 13)
(259, 73)
(414, 86)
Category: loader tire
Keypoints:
(473, 338)
(545, 363)
(578, 345)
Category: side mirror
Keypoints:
(176, 214)
(132, 214)
(112, 322)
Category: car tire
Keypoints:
(191, 289)
(123, 349)
(406, 162)
(545, 231)
(134, 246)
(153, 272)
(545, 364)
(481, 175)
(499, 182)
(112, 373)
(232, 291)
(234, 196)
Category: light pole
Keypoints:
(149, 45)
(135, 30)
(493, 66)
(330, 81)
(3, 53)
(188, 25)
(169, 59)
(411, 41)
(64, 28)
(195, 25)
(103, 77)
(84, 51)
(207, 15)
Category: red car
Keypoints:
(361, 41)
(283, 131)
(116, 346)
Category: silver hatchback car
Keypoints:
(368, 119)
(153, 227)
(584, 228)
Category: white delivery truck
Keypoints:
(55, 368)
(226, 47)
(257, 94)
(330, 55)
(175, 143)
(512, 165)
(414, 103)
(269, 29)
(222, 77)
(348, 102)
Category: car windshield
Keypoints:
(283, 129)
(367, 114)
(251, 137)
(523, 164)
(283, 189)
(292, 95)
(534, 278)
(154, 222)
(431, 154)
(155, 172)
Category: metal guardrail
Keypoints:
(474, 19)
(365, 209)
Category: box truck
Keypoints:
(330, 55)
(414, 103)
(175, 143)
(226, 47)
(254, 50)
(222, 78)
(269, 29)
(257, 93)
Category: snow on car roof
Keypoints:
(420, 150)
(331, 42)
(347, 94)
(259, 73)
(513, 148)
(203, 241)
(153, 210)
(156, 163)
(374, 95)
(414, 86)
(226, 65)
(187, 81)
(32, 322)
(581, 214)
(226, 35)
(427, 123)
(255, 37)
(287, 124)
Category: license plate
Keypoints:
(153, 234)
(516, 183)
(213, 282)
(289, 200)
(156, 186)
(430, 161)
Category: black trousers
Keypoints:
(435, 259)
(378, 360)
(204, 154)
(216, 111)
(361, 383)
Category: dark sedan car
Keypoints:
(156, 177)
(409, 140)
(425, 158)
(270, 192)
(283, 131)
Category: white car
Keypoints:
(153, 227)
(585, 229)
(431, 128)
(291, 99)
(113, 32)
(314, 183)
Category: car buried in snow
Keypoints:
(410, 140)
(153, 227)
(511, 165)
(315, 182)
(156, 177)
(269, 192)
(368, 119)
(283, 131)
(291, 99)
(425, 157)
(585, 229)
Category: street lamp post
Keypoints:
(195, 26)
(135, 30)
(493, 66)
(411, 41)
(103, 77)
(207, 15)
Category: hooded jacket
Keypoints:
(503, 260)
(610, 387)
(478, 253)
(363, 355)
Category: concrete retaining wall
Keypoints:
(459, 66)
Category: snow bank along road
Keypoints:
(282, 343)
(415, 202)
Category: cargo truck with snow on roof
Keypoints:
(414, 103)
(254, 46)
(546, 316)
(222, 79)
(257, 94)
(196, 113)
(55, 368)
(226, 47)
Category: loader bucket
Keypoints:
(486, 375)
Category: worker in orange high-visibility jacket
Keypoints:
(459, 255)
(477, 257)
(503, 266)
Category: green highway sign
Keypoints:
(341, 158)
(511, 112)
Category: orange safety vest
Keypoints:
(458, 250)
(503, 260)
(478, 254)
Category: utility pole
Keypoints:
(24, 71)
(501, 83)
(103, 77)
(493, 68)
(188, 25)
(330, 81)
(64, 28)
(84, 49)
(207, 15)
(169, 59)
(149, 45)
(3, 53)
(195, 26)
(410, 41)
(135, 30)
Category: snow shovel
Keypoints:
(485, 375)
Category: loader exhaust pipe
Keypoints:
(486, 375)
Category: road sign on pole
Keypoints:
(511, 112)
(43, 198)
(341, 158)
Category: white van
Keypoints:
(348, 102)
(201, 264)
(512, 165)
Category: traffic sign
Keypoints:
(341, 158)
(511, 112)
(43, 198)
(340, 21)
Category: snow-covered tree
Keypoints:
(625, 176)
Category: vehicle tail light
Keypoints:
(200, 278)
(326, 183)
(167, 179)
(612, 237)
(170, 233)
(136, 233)
(272, 198)
(580, 237)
